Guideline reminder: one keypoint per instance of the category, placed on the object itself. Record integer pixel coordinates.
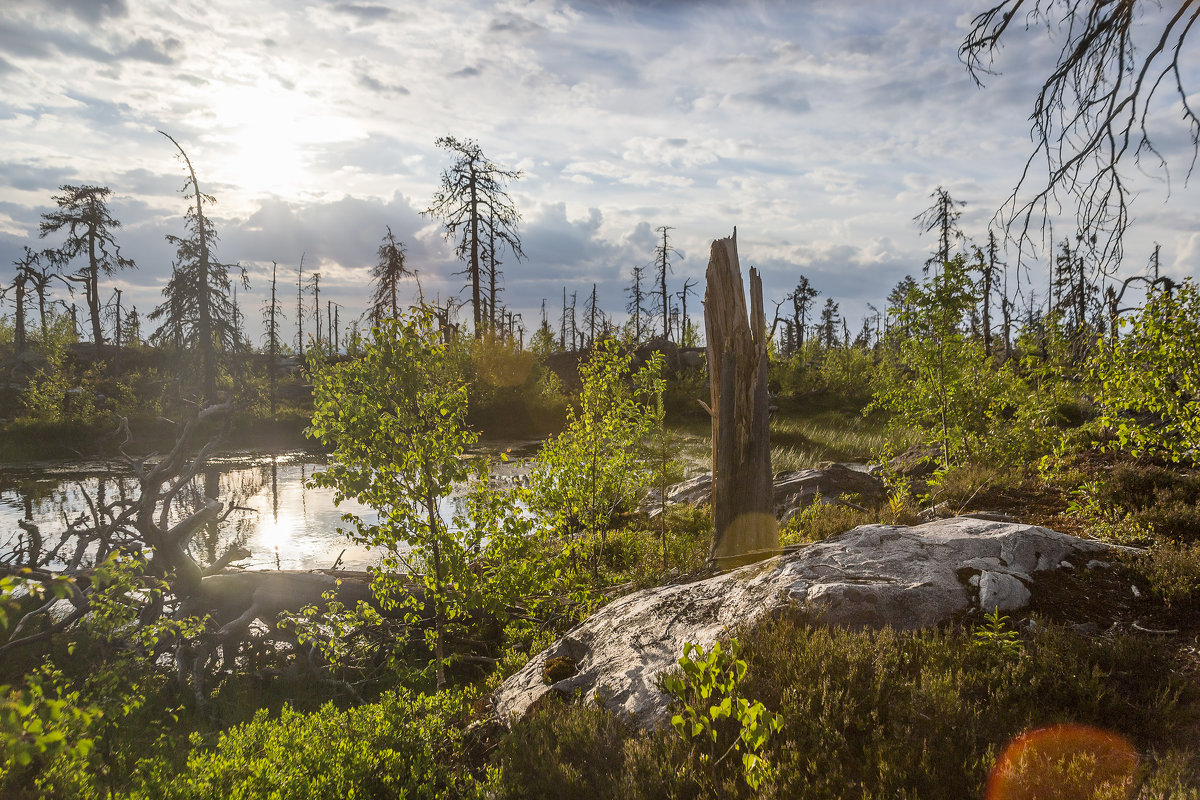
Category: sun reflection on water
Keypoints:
(277, 532)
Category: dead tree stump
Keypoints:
(744, 525)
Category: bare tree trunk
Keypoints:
(19, 330)
(273, 347)
(474, 266)
(300, 309)
(744, 525)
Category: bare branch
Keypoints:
(1092, 113)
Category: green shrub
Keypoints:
(45, 738)
(512, 392)
(821, 520)
(406, 745)
(839, 376)
(1134, 487)
(714, 717)
(595, 469)
(1148, 379)
(925, 714)
(566, 752)
(636, 552)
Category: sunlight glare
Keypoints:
(269, 133)
(276, 533)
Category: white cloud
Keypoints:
(818, 128)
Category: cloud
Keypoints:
(371, 84)
(851, 275)
(344, 232)
(575, 63)
(30, 41)
(574, 253)
(378, 154)
(154, 52)
(510, 23)
(818, 128)
(93, 10)
(364, 13)
(22, 41)
(33, 178)
(103, 115)
(783, 96)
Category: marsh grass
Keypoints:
(801, 438)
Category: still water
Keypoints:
(281, 521)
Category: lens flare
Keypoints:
(1065, 762)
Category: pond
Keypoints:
(282, 522)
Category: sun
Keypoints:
(271, 136)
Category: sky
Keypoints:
(818, 129)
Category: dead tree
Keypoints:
(141, 524)
(1096, 109)
(744, 525)
(145, 526)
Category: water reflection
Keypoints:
(283, 523)
(286, 525)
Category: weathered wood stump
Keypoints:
(744, 525)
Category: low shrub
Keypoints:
(925, 714)
(636, 553)
(407, 745)
(821, 520)
(1165, 501)
(1173, 570)
(880, 715)
(567, 752)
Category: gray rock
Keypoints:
(792, 490)
(917, 461)
(999, 591)
(693, 491)
(993, 516)
(829, 480)
(870, 577)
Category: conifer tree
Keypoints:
(386, 275)
(802, 298)
(198, 312)
(830, 321)
(478, 214)
(662, 263)
(83, 212)
(272, 312)
(943, 217)
(637, 302)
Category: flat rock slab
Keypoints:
(870, 577)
